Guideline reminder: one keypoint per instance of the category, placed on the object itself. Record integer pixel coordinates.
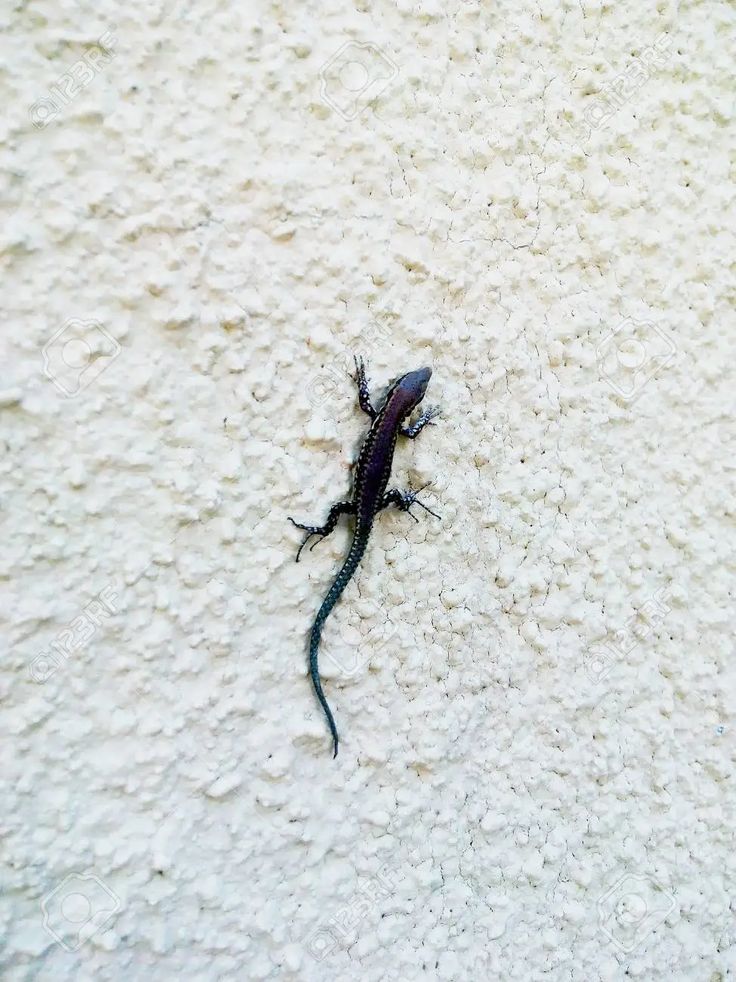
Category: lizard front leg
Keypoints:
(404, 500)
(364, 396)
(414, 429)
(341, 508)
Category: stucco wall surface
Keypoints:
(208, 208)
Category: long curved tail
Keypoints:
(355, 554)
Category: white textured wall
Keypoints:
(535, 695)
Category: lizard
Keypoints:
(370, 480)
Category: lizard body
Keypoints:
(371, 476)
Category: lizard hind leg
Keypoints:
(340, 508)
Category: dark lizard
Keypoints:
(372, 471)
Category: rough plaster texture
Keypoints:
(535, 695)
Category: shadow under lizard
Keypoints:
(371, 475)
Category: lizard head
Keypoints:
(412, 387)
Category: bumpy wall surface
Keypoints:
(208, 209)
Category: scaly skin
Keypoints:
(372, 472)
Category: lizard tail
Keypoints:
(320, 694)
(335, 592)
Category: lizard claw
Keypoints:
(422, 505)
(304, 528)
(413, 499)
